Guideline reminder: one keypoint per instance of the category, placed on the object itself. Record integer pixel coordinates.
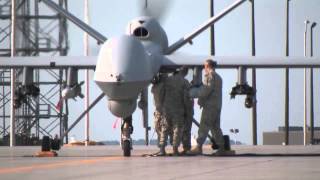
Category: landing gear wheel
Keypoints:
(126, 131)
(126, 148)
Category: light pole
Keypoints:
(254, 85)
(212, 41)
(311, 86)
(306, 22)
(87, 92)
(286, 116)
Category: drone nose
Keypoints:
(123, 67)
(129, 59)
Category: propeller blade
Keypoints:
(154, 8)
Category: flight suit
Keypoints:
(175, 91)
(210, 100)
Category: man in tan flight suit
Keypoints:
(175, 91)
(210, 100)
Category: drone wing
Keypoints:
(178, 60)
(49, 62)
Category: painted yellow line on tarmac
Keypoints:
(56, 165)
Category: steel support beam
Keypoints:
(92, 32)
(12, 73)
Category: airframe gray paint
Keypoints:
(127, 64)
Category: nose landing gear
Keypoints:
(126, 131)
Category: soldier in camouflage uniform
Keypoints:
(175, 90)
(210, 100)
(188, 116)
(158, 91)
(186, 137)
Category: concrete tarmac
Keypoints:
(107, 162)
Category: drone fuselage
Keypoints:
(127, 64)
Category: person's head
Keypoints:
(209, 65)
(183, 71)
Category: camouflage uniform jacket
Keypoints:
(176, 88)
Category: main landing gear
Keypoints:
(126, 131)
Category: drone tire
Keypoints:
(126, 148)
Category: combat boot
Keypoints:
(195, 151)
(185, 150)
(162, 151)
(175, 151)
(220, 152)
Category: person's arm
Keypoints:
(204, 90)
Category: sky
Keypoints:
(233, 37)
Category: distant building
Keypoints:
(295, 136)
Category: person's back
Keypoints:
(157, 90)
(175, 90)
(174, 97)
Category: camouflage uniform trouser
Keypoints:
(210, 120)
(186, 137)
(172, 123)
(158, 118)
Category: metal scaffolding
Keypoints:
(36, 34)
